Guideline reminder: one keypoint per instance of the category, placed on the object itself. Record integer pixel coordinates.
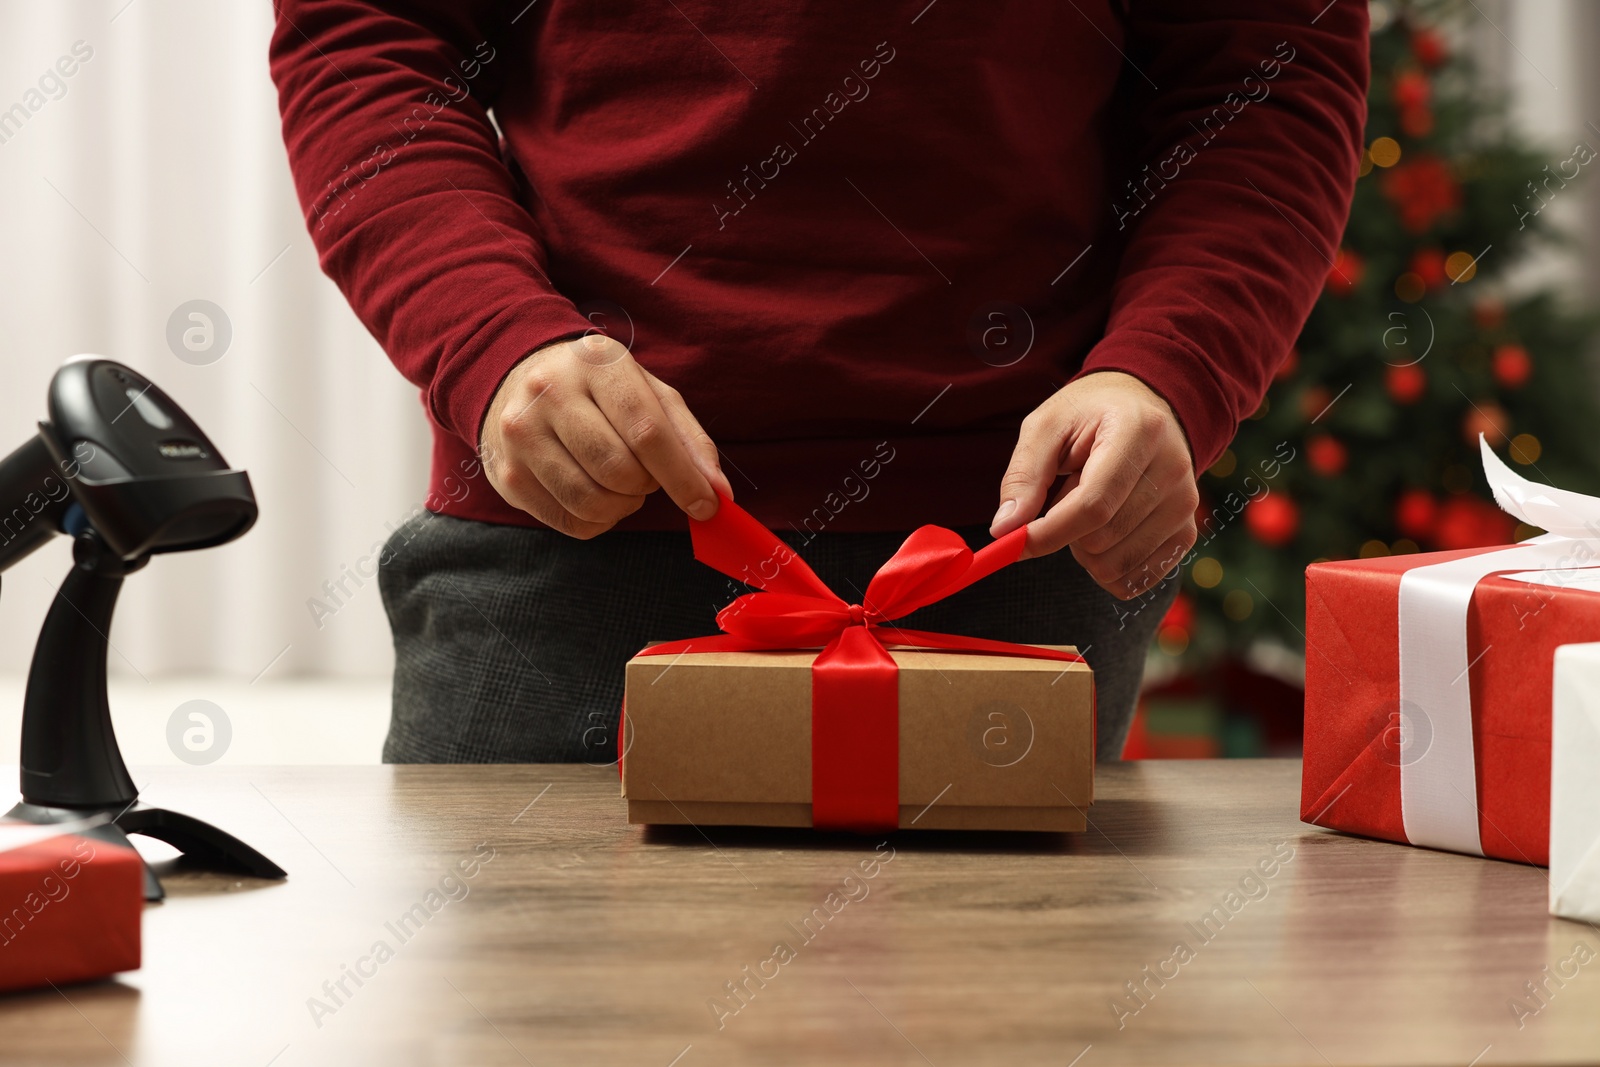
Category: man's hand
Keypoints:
(1127, 508)
(579, 433)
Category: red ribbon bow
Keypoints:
(855, 691)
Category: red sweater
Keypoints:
(863, 240)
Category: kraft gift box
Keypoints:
(986, 742)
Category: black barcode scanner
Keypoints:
(118, 456)
(124, 472)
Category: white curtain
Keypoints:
(153, 175)
(158, 176)
(1541, 53)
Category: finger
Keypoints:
(522, 489)
(1068, 484)
(1116, 460)
(542, 453)
(692, 434)
(1153, 486)
(583, 497)
(1159, 566)
(591, 440)
(1111, 567)
(1045, 436)
(630, 405)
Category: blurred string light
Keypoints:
(1461, 266)
(1410, 287)
(1525, 449)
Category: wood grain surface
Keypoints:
(578, 939)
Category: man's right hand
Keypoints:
(579, 433)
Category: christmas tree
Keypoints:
(1367, 442)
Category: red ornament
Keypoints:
(1314, 401)
(1290, 364)
(1422, 190)
(1489, 419)
(1416, 121)
(1407, 383)
(1512, 366)
(1181, 615)
(1429, 48)
(1468, 522)
(1489, 313)
(1326, 454)
(1412, 90)
(1346, 273)
(1273, 519)
(1428, 264)
(1415, 513)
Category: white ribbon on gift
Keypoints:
(1438, 787)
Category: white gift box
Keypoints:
(1575, 784)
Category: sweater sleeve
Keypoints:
(1249, 135)
(413, 212)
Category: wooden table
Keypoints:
(579, 939)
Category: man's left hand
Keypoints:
(1127, 508)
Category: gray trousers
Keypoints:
(510, 641)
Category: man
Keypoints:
(861, 267)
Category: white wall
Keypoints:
(1543, 53)
(157, 178)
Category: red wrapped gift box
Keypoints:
(1356, 751)
(70, 909)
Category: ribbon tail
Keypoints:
(1561, 511)
(734, 542)
(999, 553)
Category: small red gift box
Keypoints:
(70, 909)
(1362, 742)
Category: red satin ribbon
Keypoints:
(855, 689)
